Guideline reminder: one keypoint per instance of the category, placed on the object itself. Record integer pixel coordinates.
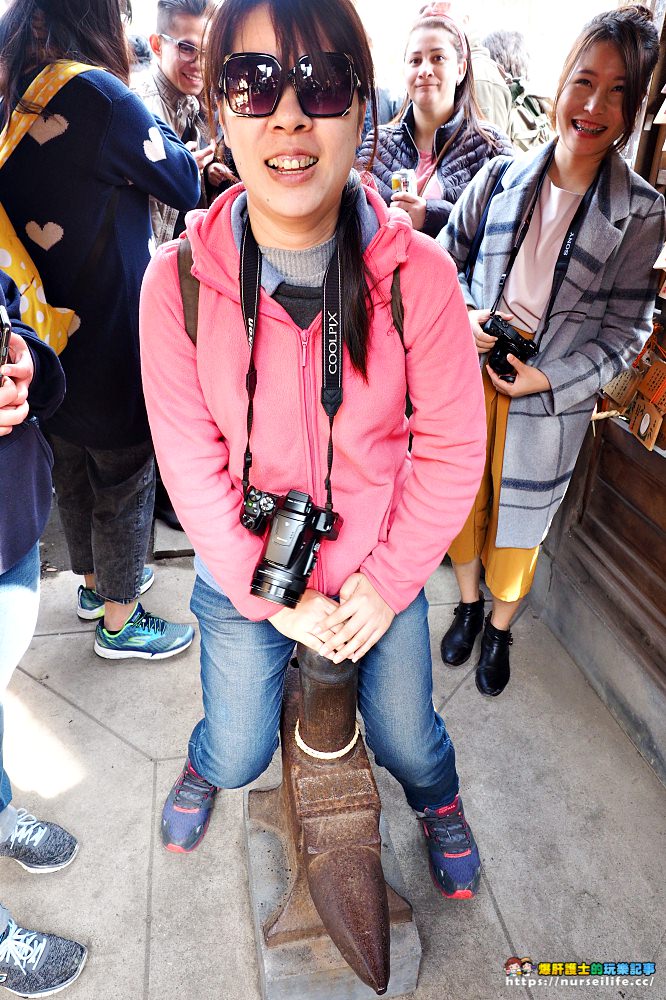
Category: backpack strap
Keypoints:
(398, 314)
(189, 288)
(397, 305)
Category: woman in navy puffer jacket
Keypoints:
(439, 135)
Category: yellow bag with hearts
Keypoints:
(53, 325)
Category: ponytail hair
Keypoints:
(356, 307)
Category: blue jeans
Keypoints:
(19, 603)
(106, 498)
(243, 665)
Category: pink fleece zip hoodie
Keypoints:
(400, 513)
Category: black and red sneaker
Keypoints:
(187, 810)
(455, 865)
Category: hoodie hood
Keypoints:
(215, 234)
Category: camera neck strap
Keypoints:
(566, 250)
(331, 344)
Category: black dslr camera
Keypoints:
(509, 341)
(290, 553)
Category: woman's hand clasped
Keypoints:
(360, 620)
(413, 205)
(15, 383)
(306, 622)
(528, 380)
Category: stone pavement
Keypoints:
(570, 821)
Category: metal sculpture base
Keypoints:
(316, 837)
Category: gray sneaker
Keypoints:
(38, 965)
(39, 846)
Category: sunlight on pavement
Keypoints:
(36, 760)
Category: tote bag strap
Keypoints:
(481, 228)
(45, 86)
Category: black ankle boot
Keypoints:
(493, 670)
(458, 643)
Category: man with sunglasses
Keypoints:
(171, 91)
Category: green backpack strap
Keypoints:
(189, 289)
(398, 314)
(397, 306)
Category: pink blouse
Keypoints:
(433, 188)
(528, 286)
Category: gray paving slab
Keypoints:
(202, 941)
(441, 588)
(169, 542)
(571, 822)
(151, 706)
(66, 768)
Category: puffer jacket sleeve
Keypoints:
(458, 168)
(387, 159)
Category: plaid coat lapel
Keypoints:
(598, 238)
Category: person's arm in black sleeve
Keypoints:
(47, 387)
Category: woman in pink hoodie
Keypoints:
(292, 123)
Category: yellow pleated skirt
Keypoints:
(508, 572)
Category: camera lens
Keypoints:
(498, 363)
(277, 585)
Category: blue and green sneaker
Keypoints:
(90, 605)
(143, 635)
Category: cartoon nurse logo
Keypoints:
(512, 966)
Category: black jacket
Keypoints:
(25, 457)
(396, 149)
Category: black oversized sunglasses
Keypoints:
(252, 83)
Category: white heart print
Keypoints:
(47, 128)
(45, 236)
(153, 146)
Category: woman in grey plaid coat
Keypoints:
(570, 238)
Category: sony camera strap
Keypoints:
(565, 254)
(566, 250)
(331, 340)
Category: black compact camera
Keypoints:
(297, 528)
(509, 341)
